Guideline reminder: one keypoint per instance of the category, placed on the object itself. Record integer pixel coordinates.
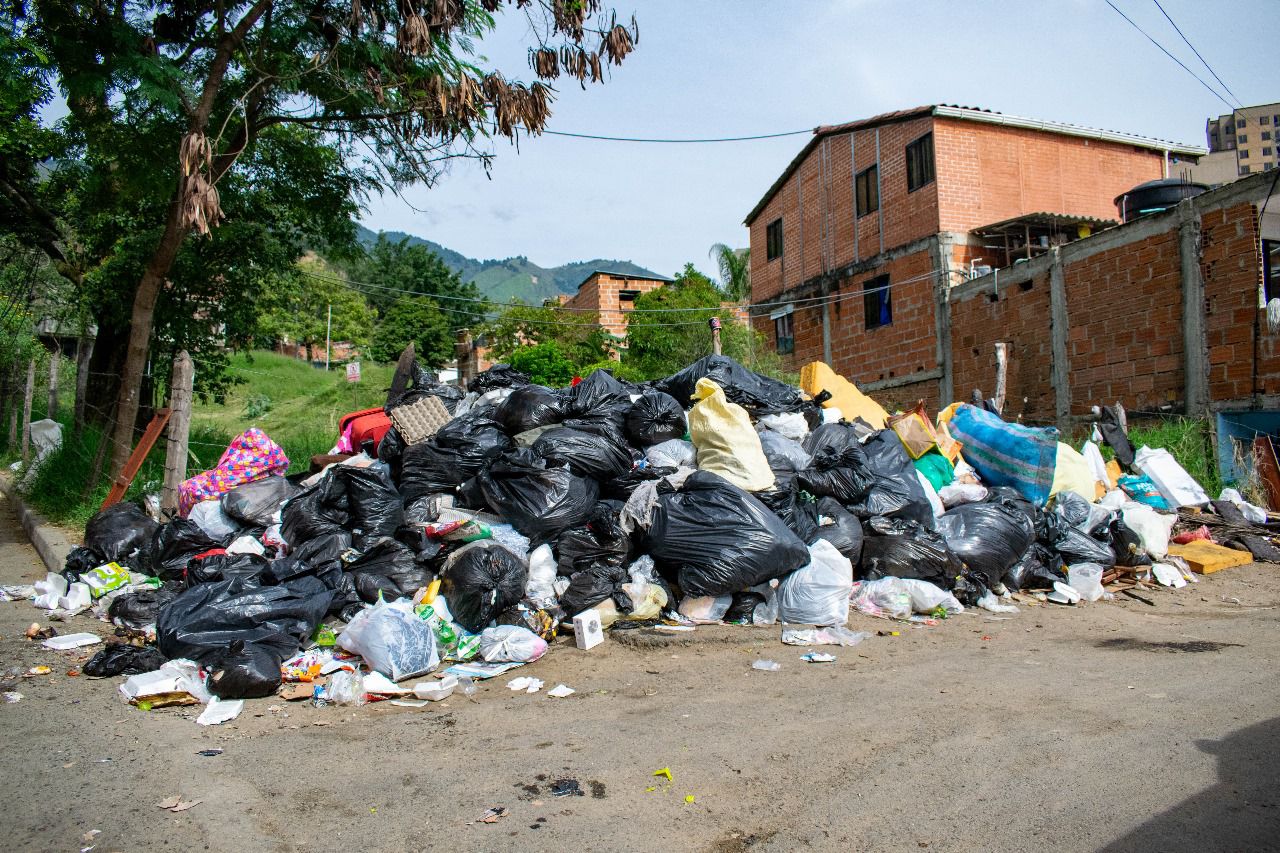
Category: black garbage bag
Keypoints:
(587, 454)
(422, 511)
(211, 616)
(139, 609)
(173, 545)
(597, 391)
(715, 539)
(844, 531)
(1011, 497)
(600, 541)
(987, 537)
(391, 568)
(1126, 544)
(320, 557)
(842, 474)
(121, 659)
(457, 452)
(480, 580)
(896, 492)
(743, 609)
(374, 507)
(119, 533)
(836, 436)
(243, 671)
(903, 548)
(255, 503)
(654, 418)
(220, 567)
(498, 376)
(591, 586)
(391, 451)
(1054, 533)
(786, 457)
(1116, 438)
(1039, 568)
(621, 487)
(538, 499)
(797, 508)
(530, 407)
(79, 561)
(759, 395)
(313, 514)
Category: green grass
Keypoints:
(1189, 440)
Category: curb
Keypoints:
(50, 543)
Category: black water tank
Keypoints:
(1155, 196)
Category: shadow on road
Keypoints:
(1240, 813)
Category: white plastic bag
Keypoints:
(1097, 465)
(818, 593)
(345, 688)
(210, 518)
(1152, 527)
(955, 494)
(791, 424)
(392, 639)
(931, 493)
(707, 608)
(1251, 512)
(1086, 579)
(505, 643)
(672, 453)
(898, 598)
(541, 584)
(1173, 481)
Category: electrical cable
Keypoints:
(1170, 55)
(674, 141)
(1196, 52)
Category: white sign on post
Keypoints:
(353, 371)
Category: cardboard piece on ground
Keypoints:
(818, 376)
(1207, 557)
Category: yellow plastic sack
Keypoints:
(727, 444)
(845, 396)
(1072, 474)
(917, 433)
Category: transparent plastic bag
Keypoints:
(818, 593)
(393, 640)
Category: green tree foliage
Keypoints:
(734, 266)
(545, 363)
(298, 305)
(417, 319)
(577, 335)
(390, 270)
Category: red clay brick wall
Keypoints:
(1229, 262)
(989, 173)
(600, 293)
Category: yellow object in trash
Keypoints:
(818, 376)
(727, 444)
(1071, 473)
(917, 433)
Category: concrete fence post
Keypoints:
(1195, 346)
(179, 430)
(1059, 326)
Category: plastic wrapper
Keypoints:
(503, 643)
(654, 418)
(672, 454)
(587, 454)
(841, 528)
(120, 659)
(243, 671)
(988, 537)
(817, 593)
(393, 640)
(256, 503)
(119, 533)
(389, 569)
(792, 425)
(457, 452)
(759, 395)
(480, 580)
(902, 548)
(496, 377)
(530, 407)
(211, 616)
(173, 545)
(537, 499)
(717, 539)
(139, 609)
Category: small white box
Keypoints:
(586, 629)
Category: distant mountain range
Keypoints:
(518, 277)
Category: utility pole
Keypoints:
(328, 328)
(714, 323)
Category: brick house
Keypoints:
(855, 248)
(612, 295)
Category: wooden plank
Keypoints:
(136, 458)
(175, 460)
(1207, 557)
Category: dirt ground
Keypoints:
(1113, 726)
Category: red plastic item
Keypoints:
(367, 425)
(1199, 533)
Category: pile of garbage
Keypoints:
(456, 534)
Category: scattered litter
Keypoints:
(560, 691)
(12, 697)
(177, 804)
(39, 670)
(567, 788)
(71, 641)
(818, 657)
(766, 665)
(688, 798)
(833, 636)
(526, 684)
(220, 711)
(209, 753)
(492, 815)
(665, 772)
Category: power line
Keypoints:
(675, 141)
(1196, 52)
(1171, 56)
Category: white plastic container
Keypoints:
(1086, 579)
(435, 691)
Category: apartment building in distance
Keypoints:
(1240, 143)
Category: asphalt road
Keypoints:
(1112, 726)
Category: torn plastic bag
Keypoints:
(311, 515)
(530, 407)
(173, 545)
(1006, 454)
(210, 616)
(390, 569)
(220, 567)
(1081, 514)
(896, 491)
(538, 499)
(457, 452)
(137, 610)
(727, 443)
(600, 541)
(717, 539)
(503, 643)
(497, 376)
(1076, 547)
(797, 508)
(988, 537)
(844, 530)
(1127, 545)
(672, 454)
(759, 395)
(1038, 568)
(243, 671)
(210, 517)
(841, 473)
(621, 488)
(121, 659)
(1153, 528)
(256, 503)
(591, 586)
(898, 598)
(792, 425)
(587, 454)
(393, 640)
(817, 593)
(903, 548)
(654, 418)
(374, 507)
(119, 533)
(480, 580)
(785, 456)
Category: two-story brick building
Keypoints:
(612, 295)
(857, 245)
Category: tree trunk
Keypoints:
(55, 361)
(26, 409)
(84, 354)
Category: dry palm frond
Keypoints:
(194, 153)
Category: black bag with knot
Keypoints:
(902, 548)
(374, 507)
(243, 671)
(498, 376)
(599, 457)
(530, 407)
(654, 418)
(840, 473)
(538, 499)
(173, 545)
(844, 530)
(389, 568)
(797, 508)
(480, 580)
(758, 394)
(118, 533)
(457, 452)
(988, 537)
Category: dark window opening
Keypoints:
(773, 240)
(867, 187)
(628, 295)
(1271, 268)
(784, 333)
(920, 163)
(876, 302)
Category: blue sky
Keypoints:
(710, 69)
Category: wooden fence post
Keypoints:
(55, 361)
(84, 352)
(1002, 372)
(175, 461)
(26, 410)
